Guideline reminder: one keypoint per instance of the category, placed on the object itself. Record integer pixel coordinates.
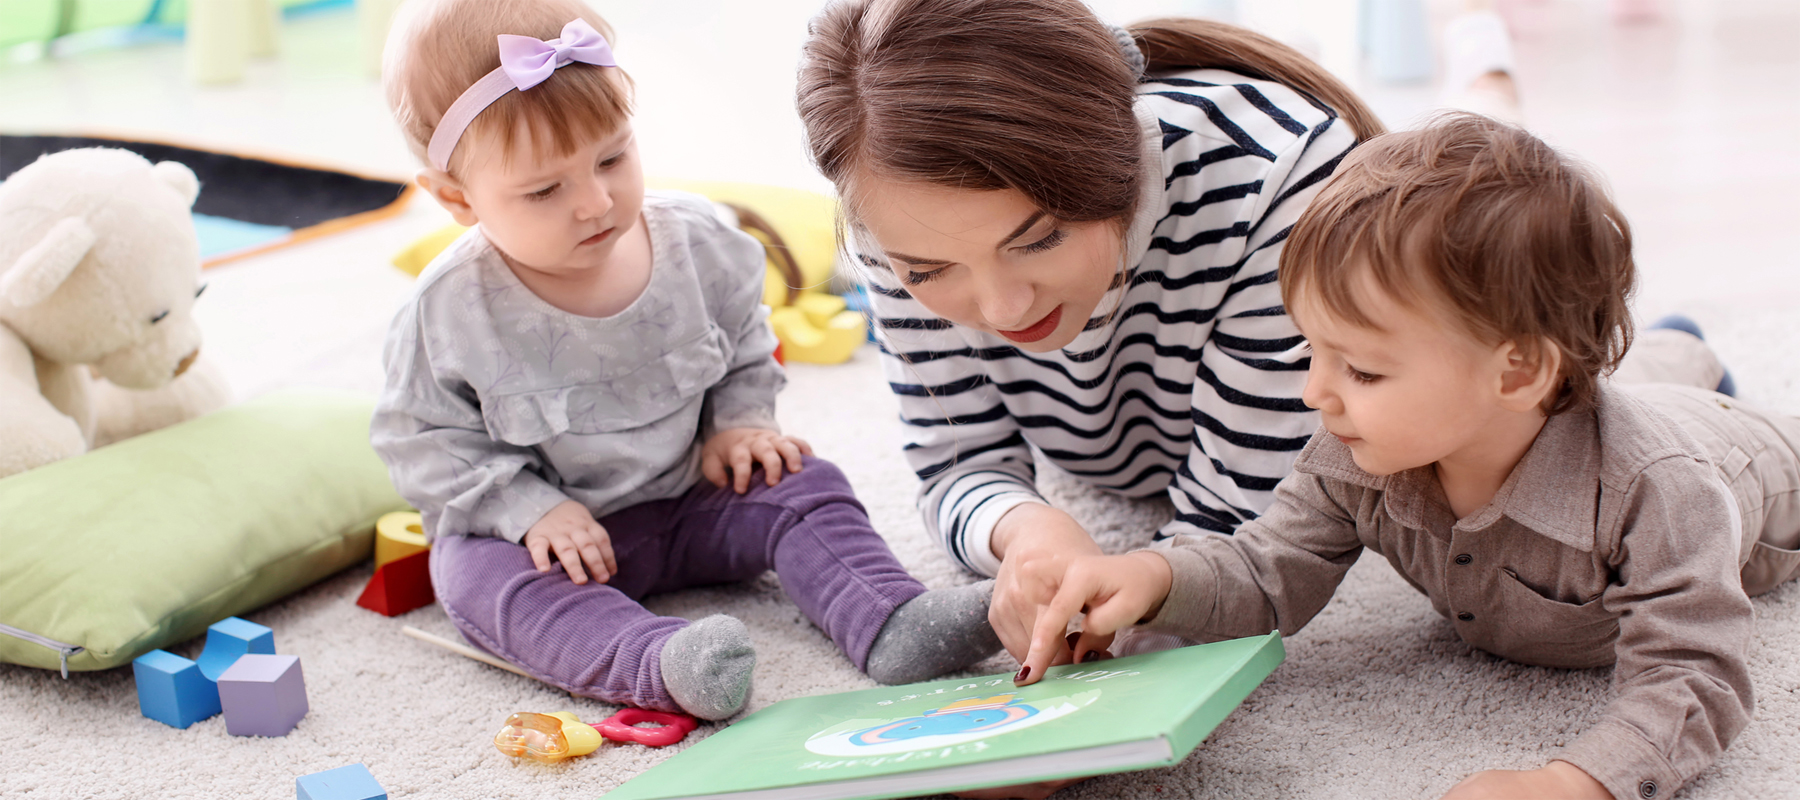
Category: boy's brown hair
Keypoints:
(1484, 222)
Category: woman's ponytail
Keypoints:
(1181, 43)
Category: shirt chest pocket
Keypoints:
(1551, 633)
(628, 397)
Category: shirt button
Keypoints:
(1464, 559)
(1466, 617)
(1647, 789)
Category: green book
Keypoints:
(1122, 714)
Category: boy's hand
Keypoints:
(1035, 543)
(1558, 779)
(572, 534)
(1115, 591)
(740, 450)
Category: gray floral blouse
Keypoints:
(499, 406)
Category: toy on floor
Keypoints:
(549, 738)
(99, 270)
(172, 690)
(402, 580)
(239, 674)
(462, 650)
(230, 639)
(818, 329)
(263, 695)
(353, 782)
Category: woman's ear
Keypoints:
(1528, 377)
(449, 193)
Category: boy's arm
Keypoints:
(733, 262)
(1682, 684)
(429, 430)
(1275, 573)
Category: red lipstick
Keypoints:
(1043, 328)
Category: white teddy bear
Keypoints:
(99, 269)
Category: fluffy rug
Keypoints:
(1378, 698)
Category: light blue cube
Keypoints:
(172, 690)
(230, 638)
(344, 783)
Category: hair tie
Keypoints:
(524, 62)
(1128, 48)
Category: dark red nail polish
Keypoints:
(1024, 672)
(1072, 638)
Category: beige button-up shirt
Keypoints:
(1612, 542)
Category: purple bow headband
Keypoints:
(524, 62)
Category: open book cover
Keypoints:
(1122, 714)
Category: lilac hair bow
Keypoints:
(524, 62)
(529, 61)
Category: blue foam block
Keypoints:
(230, 638)
(171, 689)
(344, 783)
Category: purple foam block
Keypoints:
(263, 695)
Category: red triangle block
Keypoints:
(400, 586)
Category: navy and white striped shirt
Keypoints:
(1187, 377)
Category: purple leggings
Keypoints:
(595, 640)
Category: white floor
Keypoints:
(1693, 119)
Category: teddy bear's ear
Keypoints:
(179, 178)
(37, 273)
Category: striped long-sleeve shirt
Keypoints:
(1184, 379)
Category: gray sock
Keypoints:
(707, 666)
(937, 632)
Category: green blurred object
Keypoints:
(23, 21)
(144, 543)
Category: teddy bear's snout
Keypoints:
(187, 362)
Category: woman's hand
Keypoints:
(741, 450)
(1558, 779)
(1035, 544)
(569, 531)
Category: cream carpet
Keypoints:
(1377, 699)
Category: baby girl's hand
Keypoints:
(571, 532)
(741, 449)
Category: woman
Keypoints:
(1071, 234)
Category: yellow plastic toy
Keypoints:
(818, 329)
(547, 738)
(398, 535)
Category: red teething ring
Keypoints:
(622, 727)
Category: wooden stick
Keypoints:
(462, 649)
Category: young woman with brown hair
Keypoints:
(1071, 234)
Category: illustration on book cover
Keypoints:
(964, 720)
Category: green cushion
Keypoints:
(147, 542)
